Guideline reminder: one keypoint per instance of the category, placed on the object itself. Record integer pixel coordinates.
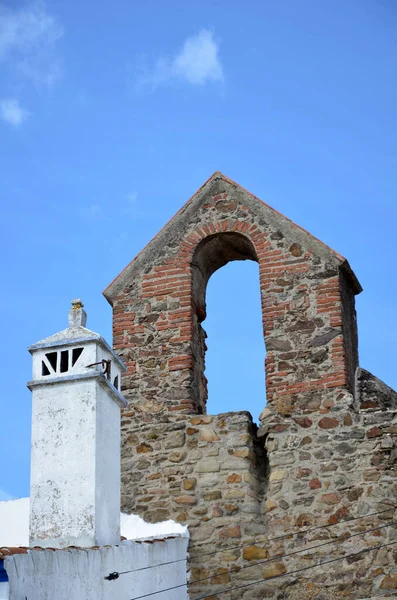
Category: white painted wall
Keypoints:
(75, 465)
(88, 356)
(4, 590)
(79, 574)
(107, 469)
(93, 351)
(104, 354)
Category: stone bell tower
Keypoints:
(326, 446)
(75, 456)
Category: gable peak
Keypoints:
(218, 183)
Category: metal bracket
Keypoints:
(106, 365)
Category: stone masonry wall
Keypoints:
(320, 456)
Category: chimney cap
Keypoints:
(77, 316)
(77, 303)
(76, 333)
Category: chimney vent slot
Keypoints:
(76, 353)
(44, 369)
(64, 361)
(52, 359)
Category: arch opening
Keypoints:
(234, 362)
(212, 253)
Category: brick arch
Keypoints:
(302, 313)
(211, 253)
(307, 303)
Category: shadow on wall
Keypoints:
(235, 358)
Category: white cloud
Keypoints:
(27, 42)
(27, 30)
(12, 112)
(197, 63)
(28, 37)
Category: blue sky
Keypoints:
(111, 116)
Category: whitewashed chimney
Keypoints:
(75, 460)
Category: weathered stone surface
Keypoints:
(234, 478)
(270, 505)
(303, 472)
(278, 475)
(374, 432)
(231, 508)
(304, 422)
(371, 392)
(221, 575)
(208, 466)
(315, 484)
(186, 500)
(230, 532)
(254, 553)
(212, 495)
(207, 434)
(175, 440)
(387, 442)
(143, 448)
(389, 582)
(232, 494)
(296, 249)
(330, 498)
(326, 449)
(189, 484)
(273, 570)
(328, 423)
(265, 413)
(176, 457)
(278, 344)
(306, 440)
(326, 337)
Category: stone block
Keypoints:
(186, 499)
(254, 553)
(207, 434)
(189, 484)
(374, 432)
(233, 478)
(273, 570)
(328, 423)
(175, 440)
(278, 475)
(233, 494)
(231, 508)
(176, 457)
(389, 582)
(230, 532)
(331, 498)
(212, 495)
(144, 448)
(210, 465)
(221, 576)
(315, 484)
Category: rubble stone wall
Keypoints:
(325, 448)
